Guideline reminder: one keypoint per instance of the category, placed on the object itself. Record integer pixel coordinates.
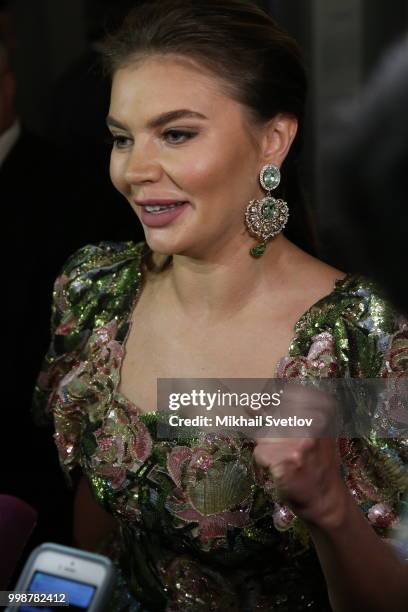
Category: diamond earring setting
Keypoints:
(267, 217)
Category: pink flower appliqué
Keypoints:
(320, 361)
(210, 490)
(87, 411)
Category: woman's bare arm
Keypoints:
(91, 523)
(362, 571)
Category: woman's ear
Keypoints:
(279, 134)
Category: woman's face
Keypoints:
(178, 138)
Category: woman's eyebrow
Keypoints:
(160, 120)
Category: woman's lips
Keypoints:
(164, 217)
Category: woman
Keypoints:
(207, 99)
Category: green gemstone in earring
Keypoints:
(268, 210)
(270, 177)
(258, 250)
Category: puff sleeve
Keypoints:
(94, 292)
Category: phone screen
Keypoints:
(79, 594)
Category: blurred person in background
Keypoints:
(33, 190)
(364, 210)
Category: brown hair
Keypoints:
(238, 42)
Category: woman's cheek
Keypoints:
(116, 171)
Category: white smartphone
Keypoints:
(66, 575)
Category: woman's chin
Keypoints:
(163, 245)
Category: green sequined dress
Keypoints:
(199, 527)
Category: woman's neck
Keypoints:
(221, 286)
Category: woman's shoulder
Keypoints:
(363, 303)
(357, 299)
(96, 285)
(100, 255)
(355, 321)
(339, 299)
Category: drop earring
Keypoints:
(266, 218)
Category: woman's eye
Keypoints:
(119, 142)
(178, 136)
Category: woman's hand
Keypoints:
(306, 470)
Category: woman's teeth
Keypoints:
(162, 208)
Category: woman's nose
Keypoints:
(142, 166)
